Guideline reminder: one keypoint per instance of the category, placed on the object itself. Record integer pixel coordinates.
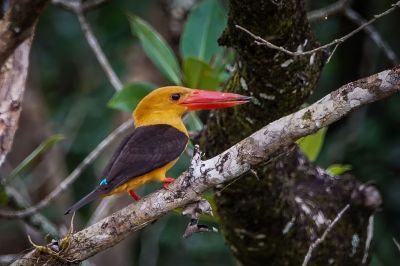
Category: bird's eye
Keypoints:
(175, 96)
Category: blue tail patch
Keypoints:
(103, 182)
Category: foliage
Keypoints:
(130, 96)
(32, 158)
(68, 74)
(311, 145)
(156, 49)
(203, 27)
(338, 169)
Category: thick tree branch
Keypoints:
(17, 25)
(234, 162)
(12, 86)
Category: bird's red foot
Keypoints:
(135, 196)
(167, 181)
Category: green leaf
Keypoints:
(311, 145)
(202, 30)
(199, 75)
(3, 196)
(338, 169)
(127, 98)
(34, 156)
(156, 49)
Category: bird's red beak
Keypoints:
(208, 100)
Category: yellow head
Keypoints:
(166, 105)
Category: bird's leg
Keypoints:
(167, 181)
(133, 194)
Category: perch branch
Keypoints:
(261, 41)
(232, 163)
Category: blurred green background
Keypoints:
(68, 94)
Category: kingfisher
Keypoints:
(158, 140)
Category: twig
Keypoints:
(396, 243)
(92, 41)
(37, 221)
(238, 159)
(373, 34)
(370, 234)
(324, 13)
(89, 5)
(71, 178)
(317, 242)
(80, 8)
(75, 6)
(261, 41)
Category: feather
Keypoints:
(146, 149)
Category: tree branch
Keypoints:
(373, 34)
(261, 41)
(12, 86)
(321, 239)
(235, 161)
(36, 220)
(80, 9)
(78, 6)
(325, 12)
(92, 41)
(17, 25)
(70, 179)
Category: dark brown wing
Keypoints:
(147, 148)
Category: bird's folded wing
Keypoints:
(146, 149)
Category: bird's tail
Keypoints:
(86, 200)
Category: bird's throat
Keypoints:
(158, 118)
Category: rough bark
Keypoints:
(289, 192)
(235, 162)
(12, 86)
(17, 24)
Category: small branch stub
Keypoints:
(194, 211)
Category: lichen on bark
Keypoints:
(272, 217)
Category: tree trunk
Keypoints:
(272, 216)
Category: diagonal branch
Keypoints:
(325, 12)
(232, 163)
(321, 239)
(80, 8)
(71, 178)
(94, 44)
(373, 34)
(260, 41)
